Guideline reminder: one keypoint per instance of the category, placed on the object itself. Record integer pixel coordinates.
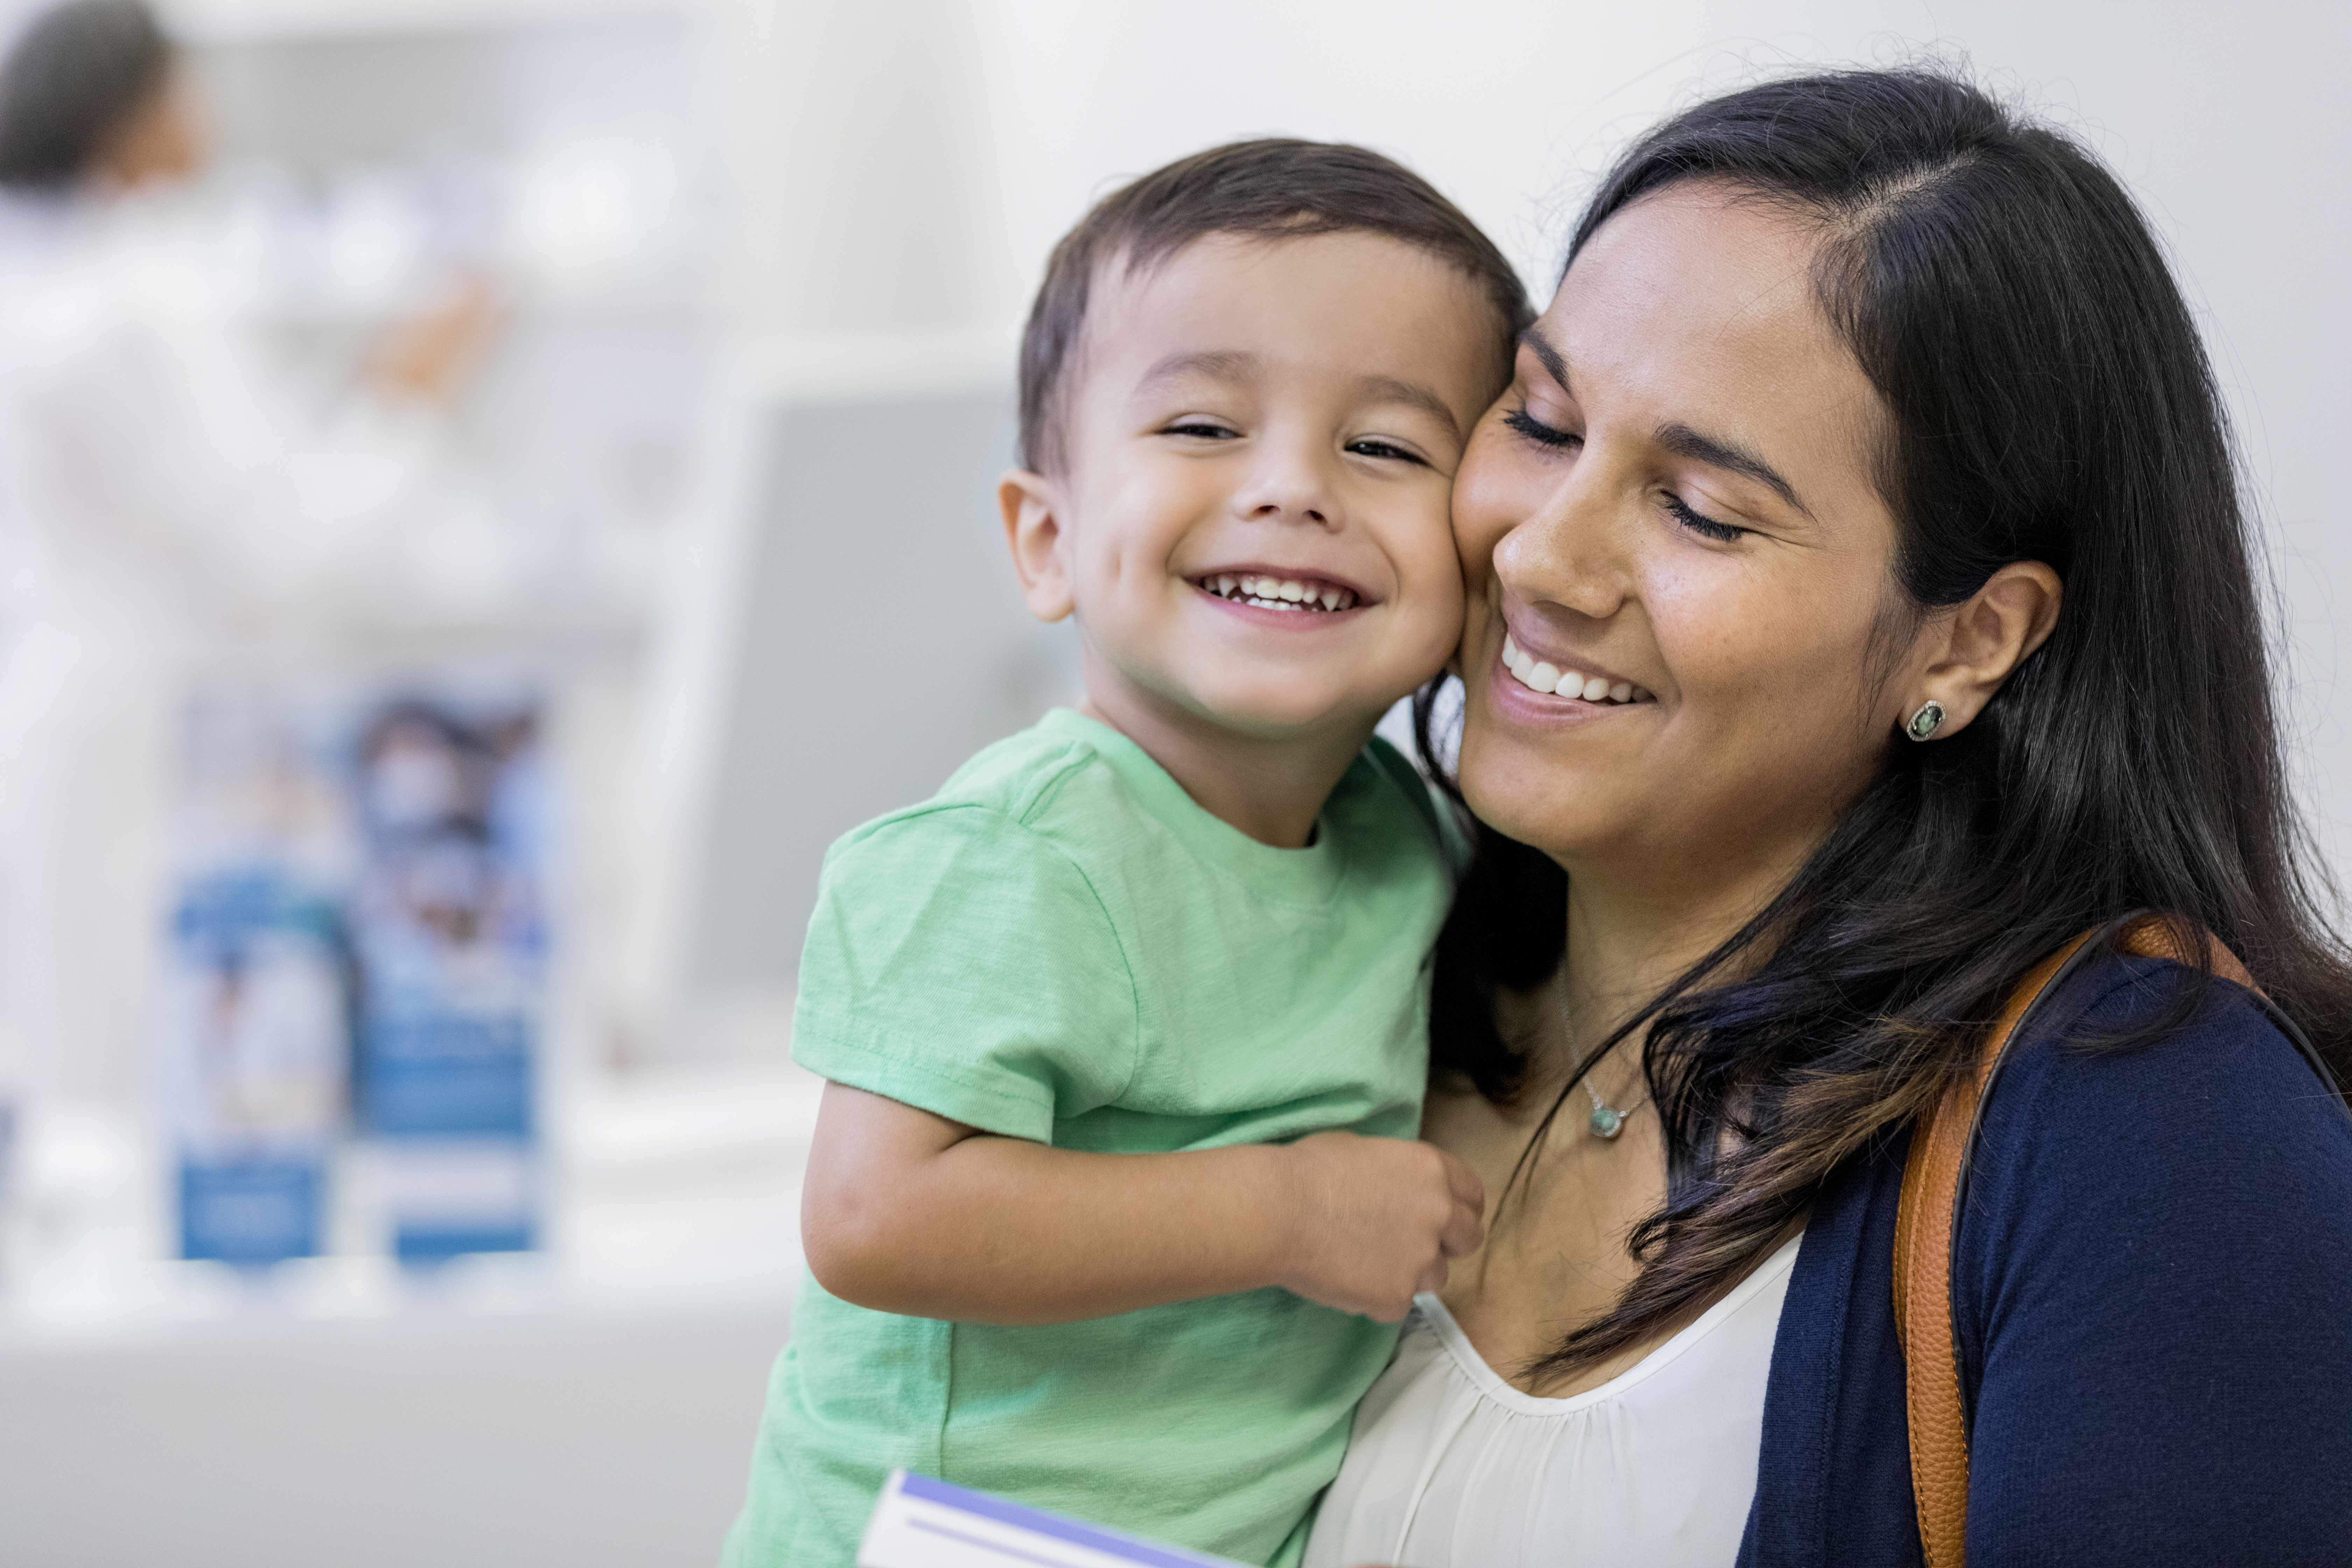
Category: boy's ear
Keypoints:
(1033, 530)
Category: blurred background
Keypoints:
(489, 489)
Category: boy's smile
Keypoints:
(1269, 589)
(1253, 523)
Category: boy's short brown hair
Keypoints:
(1273, 187)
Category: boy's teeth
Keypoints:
(1279, 593)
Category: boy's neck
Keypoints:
(1272, 790)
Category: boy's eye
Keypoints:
(1373, 447)
(1204, 430)
(1700, 524)
(1541, 434)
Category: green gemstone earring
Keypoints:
(1926, 721)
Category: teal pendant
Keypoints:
(1606, 1124)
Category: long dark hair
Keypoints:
(2047, 399)
(74, 79)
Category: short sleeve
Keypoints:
(960, 963)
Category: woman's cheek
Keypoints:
(1484, 492)
(1696, 621)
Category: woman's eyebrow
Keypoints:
(1553, 362)
(1682, 441)
(1729, 456)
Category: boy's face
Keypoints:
(1251, 521)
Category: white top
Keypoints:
(1449, 1466)
(172, 503)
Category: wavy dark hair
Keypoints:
(2046, 398)
(77, 75)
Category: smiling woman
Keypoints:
(1868, 450)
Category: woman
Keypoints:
(1868, 434)
(171, 506)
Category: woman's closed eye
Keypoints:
(1699, 523)
(1558, 439)
(1541, 434)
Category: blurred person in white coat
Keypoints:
(171, 507)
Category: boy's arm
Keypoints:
(907, 1212)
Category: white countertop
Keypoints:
(593, 1407)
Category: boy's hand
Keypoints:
(1375, 1220)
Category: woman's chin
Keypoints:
(1529, 792)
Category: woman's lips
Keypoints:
(1542, 678)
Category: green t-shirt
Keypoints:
(1062, 946)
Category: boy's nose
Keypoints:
(1274, 509)
(1292, 492)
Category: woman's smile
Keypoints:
(1577, 680)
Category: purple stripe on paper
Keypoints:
(994, 1548)
(981, 1505)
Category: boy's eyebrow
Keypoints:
(1683, 441)
(1217, 364)
(1413, 394)
(1236, 365)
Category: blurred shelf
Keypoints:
(684, 309)
(677, 1197)
(236, 21)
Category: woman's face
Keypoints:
(162, 142)
(1675, 497)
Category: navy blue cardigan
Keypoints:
(2152, 1283)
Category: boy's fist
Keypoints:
(1374, 1221)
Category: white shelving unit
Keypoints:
(213, 21)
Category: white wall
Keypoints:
(907, 168)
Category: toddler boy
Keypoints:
(1115, 1200)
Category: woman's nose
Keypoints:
(1570, 551)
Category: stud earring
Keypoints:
(1926, 721)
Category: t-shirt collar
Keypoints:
(1299, 876)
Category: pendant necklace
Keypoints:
(1606, 1121)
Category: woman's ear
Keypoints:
(1032, 505)
(1972, 649)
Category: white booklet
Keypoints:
(923, 1524)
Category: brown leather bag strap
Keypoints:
(1926, 1219)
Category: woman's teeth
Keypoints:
(1536, 676)
(1279, 593)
